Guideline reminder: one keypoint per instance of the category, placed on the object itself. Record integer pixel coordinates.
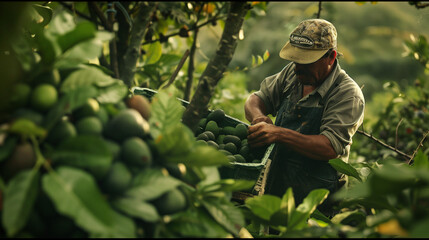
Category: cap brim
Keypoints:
(301, 55)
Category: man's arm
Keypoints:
(255, 110)
(313, 146)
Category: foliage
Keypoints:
(66, 184)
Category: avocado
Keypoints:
(135, 151)
(216, 115)
(89, 125)
(232, 139)
(126, 124)
(241, 131)
(171, 202)
(213, 127)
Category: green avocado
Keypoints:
(126, 124)
(241, 131)
(136, 152)
(117, 179)
(89, 125)
(216, 115)
(232, 139)
(171, 202)
(212, 127)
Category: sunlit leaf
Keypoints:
(299, 217)
(345, 168)
(263, 206)
(27, 127)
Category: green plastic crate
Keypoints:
(237, 170)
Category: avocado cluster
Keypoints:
(122, 128)
(228, 137)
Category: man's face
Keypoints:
(314, 73)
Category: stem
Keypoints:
(396, 133)
(182, 61)
(385, 145)
(420, 145)
(320, 9)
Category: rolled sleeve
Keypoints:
(341, 121)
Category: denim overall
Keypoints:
(292, 169)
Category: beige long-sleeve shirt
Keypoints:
(343, 112)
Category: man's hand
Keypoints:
(263, 133)
(262, 118)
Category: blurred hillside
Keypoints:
(370, 36)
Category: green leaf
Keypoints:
(113, 93)
(151, 184)
(175, 140)
(226, 214)
(8, 147)
(45, 12)
(137, 208)
(153, 53)
(288, 203)
(82, 32)
(421, 160)
(228, 185)
(26, 127)
(266, 55)
(166, 111)
(62, 23)
(48, 48)
(76, 195)
(84, 151)
(346, 217)
(263, 206)
(86, 77)
(19, 199)
(24, 53)
(345, 168)
(195, 223)
(299, 217)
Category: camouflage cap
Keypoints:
(309, 41)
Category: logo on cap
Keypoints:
(301, 41)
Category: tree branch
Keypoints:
(217, 65)
(320, 9)
(137, 33)
(72, 9)
(408, 157)
(420, 145)
(214, 19)
(182, 61)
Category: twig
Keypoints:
(385, 145)
(182, 61)
(190, 29)
(320, 9)
(420, 145)
(71, 8)
(396, 133)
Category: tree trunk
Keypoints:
(137, 33)
(216, 66)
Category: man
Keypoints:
(318, 109)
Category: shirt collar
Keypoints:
(324, 87)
